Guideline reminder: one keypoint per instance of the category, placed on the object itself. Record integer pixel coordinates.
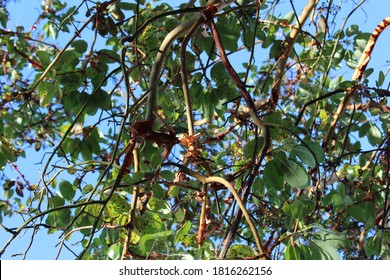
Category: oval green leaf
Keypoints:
(273, 175)
(115, 251)
(294, 174)
(305, 155)
(67, 191)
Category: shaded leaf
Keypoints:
(293, 252)
(158, 191)
(147, 241)
(273, 175)
(253, 147)
(294, 174)
(80, 46)
(305, 155)
(317, 150)
(363, 212)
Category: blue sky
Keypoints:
(25, 12)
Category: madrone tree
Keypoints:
(186, 129)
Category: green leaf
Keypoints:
(174, 191)
(229, 31)
(290, 17)
(46, 90)
(323, 250)
(158, 191)
(253, 147)
(57, 201)
(381, 79)
(369, 246)
(338, 200)
(379, 240)
(352, 30)
(317, 150)
(374, 135)
(3, 17)
(363, 212)
(117, 209)
(111, 26)
(219, 74)
(300, 209)
(167, 175)
(101, 99)
(273, 175)
(74, 100)
(205, 43)
(64, 217)
(294, 174)
(248, 31)
(109, 56)
(209, 101)
(87, 147)
(115, 251)
(156, 160)
(92, 210)
(182, 232)
(385, 118)
(111, 235)
(335, 83)
(138, 176)
(80, 46)
(66, 189)
(180, 215)
(127, 6)
(50, 30)
(86, 151)
(240, 251)
(148, 240)
(44, 58)
(364, 129)
(163, 208)
(304, 154)
(71, 80)
(152, 222)
(361, 41)
(293, 252)
(275, 49)
(67, 61)
(306, 253)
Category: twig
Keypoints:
(287, 48)
(131, 218)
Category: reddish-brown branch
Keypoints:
(127, 161)
(144, 130)
(229, 68)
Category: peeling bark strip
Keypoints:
(357, 76)
(366, 56)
